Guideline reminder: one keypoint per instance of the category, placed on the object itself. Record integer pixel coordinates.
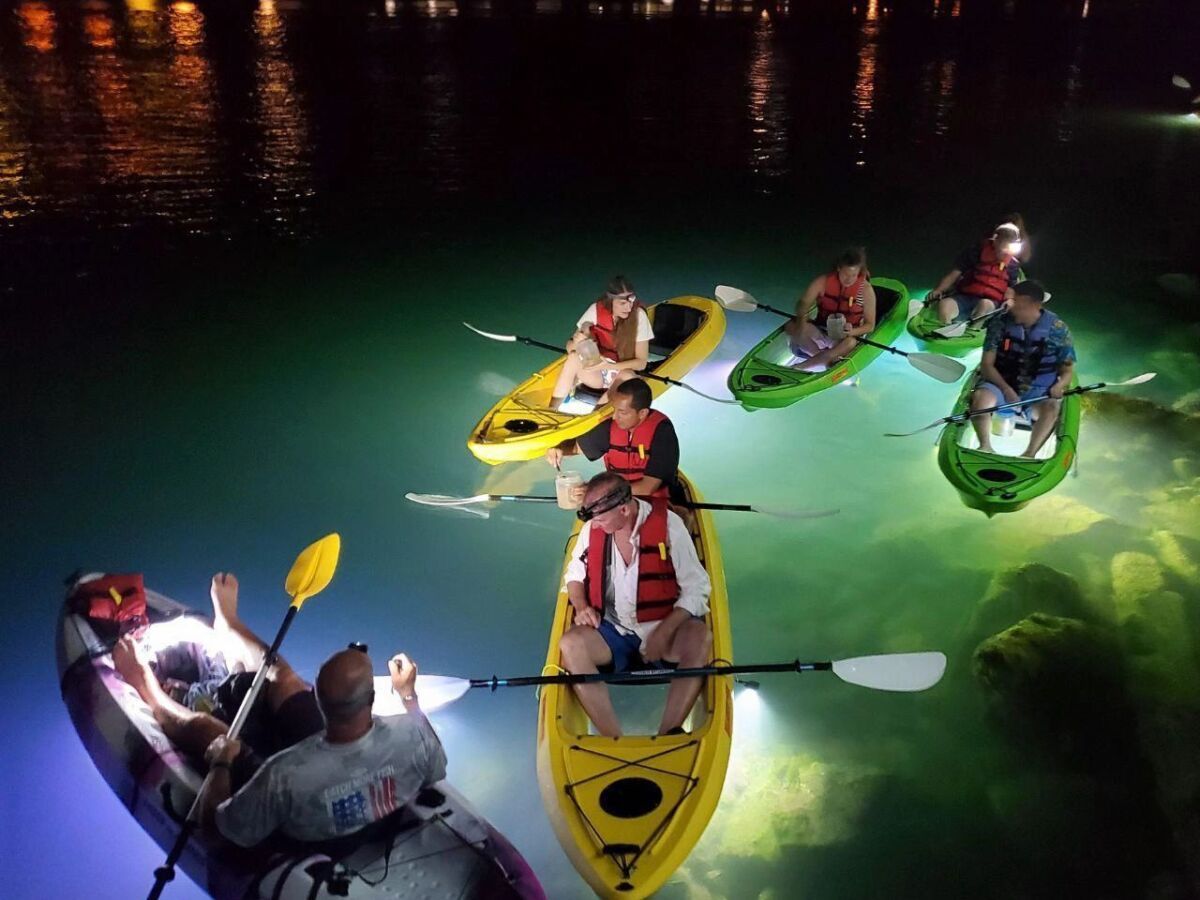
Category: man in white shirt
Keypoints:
(639, 593)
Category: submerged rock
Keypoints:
(1179, 555)
(1188, 404)
(1017, 592)
(776, 800)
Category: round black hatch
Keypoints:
(998, 476)
(766, 380)
(521, 426)
(630, 798)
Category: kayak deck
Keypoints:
(521, 425)
(925, 323)
(764, 378)
(629, 810)
(997, 482)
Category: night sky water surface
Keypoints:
(236, 245)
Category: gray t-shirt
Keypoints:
(316, 790)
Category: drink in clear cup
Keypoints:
(588, 349)
(564, 489)
(835, 326)
(1003, 422)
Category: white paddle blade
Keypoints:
(953, 330)
(445, 499)
(434, 691)
(1180, 82)
(488, 334)
(943, 368)
(1140, 379)
(777, 513)
(735, 299)
(893, 671)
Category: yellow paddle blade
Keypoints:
(313, 569)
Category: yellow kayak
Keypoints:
(521, 425)
(629, 810)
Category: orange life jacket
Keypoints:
(657, 588)
(837, 298)
(605, 330)
(989, 278)
(628, 452)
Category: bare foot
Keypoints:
(224, 592)
(130, 665)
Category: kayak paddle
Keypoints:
(517, 338)
(310, 574)
(1083, 389)
(958, 329)
(445, 500)
(907, 672)
(942, 368)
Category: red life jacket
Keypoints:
(837, 298)
(628, 452)
(989, 278)
(120, 599)
(657, 588)
(605, 330)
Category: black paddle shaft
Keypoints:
(688, 504)
(532, 343)
(166, 872)
(648, 675)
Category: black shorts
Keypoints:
(267, 732)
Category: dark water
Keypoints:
(237, 243)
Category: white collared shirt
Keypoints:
(694, 583)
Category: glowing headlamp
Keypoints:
(614, 498)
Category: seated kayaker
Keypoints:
(341, 768)
(638, 592)
(638, 443)
(983, 276)
(610, 344)
(845, 303)
(1028, 353)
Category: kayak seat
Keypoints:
(672, 326)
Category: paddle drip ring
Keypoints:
(521, 426)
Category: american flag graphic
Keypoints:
(383, 796)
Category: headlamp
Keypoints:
(614, 498)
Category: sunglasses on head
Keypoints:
(631, 297)
(611, 500)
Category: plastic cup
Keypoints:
(1003, 422)
(835, 326)
(564, 488)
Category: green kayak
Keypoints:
(995, 482)
(763, 377)
(923, 325)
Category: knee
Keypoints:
(981, 399)
(696, 642)
(198, 731)
(572, 646)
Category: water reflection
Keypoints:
(38, 26)
(864, 83)
(767, 107)
(284, 167)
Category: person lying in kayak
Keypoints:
(611, 342)
(845, 303)
(982, 278)
(638, 443)
(1028, 353)
(634, 603)
(340, 769)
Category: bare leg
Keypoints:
(982, 308)
(983, 399)
(1047, 418)
(190, 731)
(583, 649)
(805, 337)
(568, 376)
(827, 357)
(691, 647)
(947, 310)
(243, 649)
